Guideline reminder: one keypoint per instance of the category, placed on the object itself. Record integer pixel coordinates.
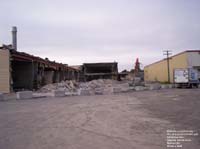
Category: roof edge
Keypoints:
(186, 51)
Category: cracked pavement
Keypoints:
(127, 120)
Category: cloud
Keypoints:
(108, 30)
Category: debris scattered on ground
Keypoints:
(24, 95)
(99, 87)
(67, 86)
(94, 87)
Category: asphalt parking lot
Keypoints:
(136, 120)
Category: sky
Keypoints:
(87, 31)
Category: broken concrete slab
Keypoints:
(72, 93)
(98, 91)
(116, 90)
(132, 88)
(125, 87)
(58, 93)
(41, 95)
(108, 90)
(84, 92)
(69, 93)
(24, 95)
(137, 81)
(140, 88)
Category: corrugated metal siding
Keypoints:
(4, 71)
(193, 59)
(158, 71)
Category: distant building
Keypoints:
(158, 71)
(93, 71)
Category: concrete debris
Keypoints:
(94, 87)
(41, 95)
(153, 86)
(98, 91)
(167, 86)
(139, 88)
(117, 89)
(108, 90)
(58, 93)
(98, 87)
(125, 87)
(84, 92)
(24, 95)
(67, 86)
(137, 81)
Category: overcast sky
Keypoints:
(78, 31)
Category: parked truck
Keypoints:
(186, 77)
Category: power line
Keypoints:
(168, 53)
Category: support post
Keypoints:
(167, 53)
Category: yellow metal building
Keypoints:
(158, 71)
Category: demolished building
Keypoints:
(22, 71)
(93, 71)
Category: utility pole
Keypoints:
(167, 53)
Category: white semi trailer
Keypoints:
(186, 77)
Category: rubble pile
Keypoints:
(67, 86)
(94, 87)
(98, 87)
